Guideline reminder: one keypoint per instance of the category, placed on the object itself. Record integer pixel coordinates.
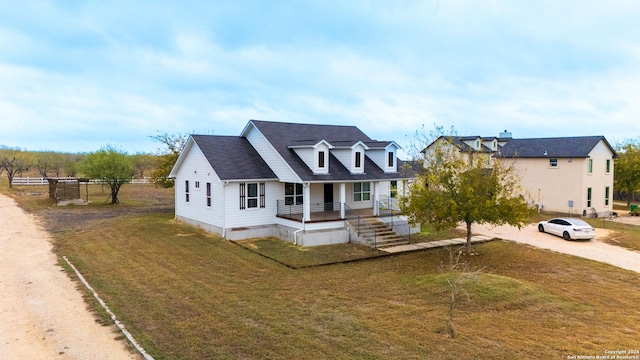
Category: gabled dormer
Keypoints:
(384, 154)
(315, 155)
(351, 156)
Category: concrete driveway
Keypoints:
(592, 249)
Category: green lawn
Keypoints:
(186, 294)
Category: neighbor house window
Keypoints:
(606, 195)
(293, 194)
(208, 194)
(362, 191)
(488, 159)
(252, 195)
(553, 162)
(358, 159)
(321, 159)
(186, 190)
(197, 184)
(393, 192)
(588, 197)
(390, 160)
(589, 166)
(608, 168)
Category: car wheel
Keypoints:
(540, 228)
(566, 236)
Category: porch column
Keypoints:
(342, 199)
(306, 201)
(376, 198)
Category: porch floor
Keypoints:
(328, 215)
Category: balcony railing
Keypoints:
(328, 211)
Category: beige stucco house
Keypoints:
(572, 175)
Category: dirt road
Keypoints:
(43, 314)
(592, 249)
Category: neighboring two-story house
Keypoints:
(298, 182)
(571, 175)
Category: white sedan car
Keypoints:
(568, 228)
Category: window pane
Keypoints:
(299, 199)
(299, 189)
(252, 203)
(252, 190)
(390, 164)
(288, 200)
(288, 188)
(358, 160)
(208, 189)
(321, 159)
(357, 187)
(366, 196)
(366, 186)
(357, 197)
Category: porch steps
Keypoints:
(385, 236)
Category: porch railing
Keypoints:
(388, 214)
(362, 227)
(319, 211)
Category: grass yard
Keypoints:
(187, 294)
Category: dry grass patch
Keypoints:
(200, 296)
(299, 257)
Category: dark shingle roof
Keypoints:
(561, 147)
(281, 135)
(233, 158)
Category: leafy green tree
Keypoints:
(627, 168)
(142, 162)
(110, 165)
(14, 162)
(167, 157)
(453, 189)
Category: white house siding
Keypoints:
(307, 155)
(344, 156)
(235, 217)
(271, 156)
(195, 168)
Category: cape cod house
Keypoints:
(571, 175)
(309, 184)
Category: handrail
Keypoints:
(362, 226)
(397, 224)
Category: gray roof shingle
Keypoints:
(233, 158)
(282, 135)
(560, 147)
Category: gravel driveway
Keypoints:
(43, 313)
(592, 249)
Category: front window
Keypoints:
(393, 193)
(362, 191)
(588, 197)
(252, 194)
(358, 159)
(293, 194)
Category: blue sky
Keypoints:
(78, 75)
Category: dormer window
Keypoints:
(358, 160)
(390, 159)
(477, 144)
(321, 162)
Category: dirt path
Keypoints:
(43, 315)
(593, 249)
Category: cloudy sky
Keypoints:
(78, 75)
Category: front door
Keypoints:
(328, 197)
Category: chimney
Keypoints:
(505, 135)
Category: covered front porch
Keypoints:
(314, 202)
